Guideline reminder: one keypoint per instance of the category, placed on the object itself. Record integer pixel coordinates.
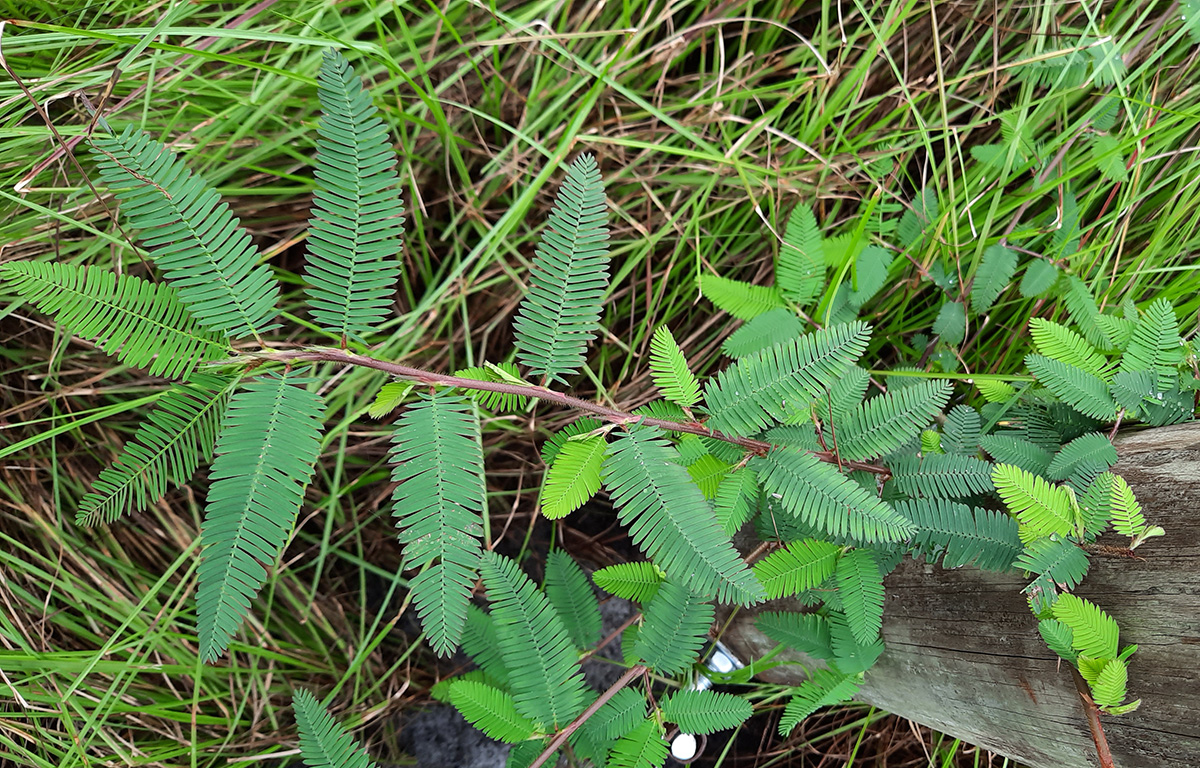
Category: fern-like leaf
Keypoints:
(1079, 389)
(1057, 559)
(943, 476)
(669, 369)
(354, 233)
(742, 300)
(481, 642)
(1042, 509)
(632, 581)
(805, 632)
(675, 625)
(1109, 689)
(491, 710)
(265, 456)
(799, 566)
(861, 589)
(1088, 454)
(961, 431)
(544, 676)
(736, 500)
(140, 323)
(1065, 345)
(824, 689)
(1040, 276)
(670, 519)
(561, 312)
(704, 712)
(1155, 346)
(1058, 638)
(951, 323)
(800, 271)
(1094, 632)
(775, 326)
(438, 506)
(190, 233)
(502, 373)
(995, 272)
(574, 477)
(767, 387)
(619, 715)
(883, 424)
(1010, 449)
(849, 655)
(817, 494)
(323, 742)
(572, 597)
(963, 536)
(166, 450)
(1127, 516)
(642, 747)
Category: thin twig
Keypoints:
(562, 736)
(1093, 717)
(610, 415)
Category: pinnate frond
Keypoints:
(1010, 449)
(674, 627)
(817, 494)
(572, 597)
(704, 712)
(642, 747)
(742, 300)
(491, 710)
(543, 667)
(860, 586)
(962, 535)
(767, 387)
(805, 632)
(500, 402)
(1058, 638)
(1065, 345)
(632, 581)
(323, 742)
(1109, 689)
(799, 566)
(438, 506)
(883, 424)
(619, 715)
(1155, 346)
(737, 499)
(775, 326)
(824, 689)
(140, 323)
(192, 236)
(995, 272)
(669, 369)
(1041, 508)
(481, 642)
(960, 434)
(670, 519)
(1127, 516)
(800, 271)
(1088, 454)
(561, 312)
(1094, 632)
(266, 450)
(1058, 559)
(167, 448)
(355, 228)
(574, 477)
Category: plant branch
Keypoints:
(561, 737)
(1093, 717)
(610, 415)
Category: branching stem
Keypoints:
(561, 737)
(610, 415)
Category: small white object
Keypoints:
(720, 662)
(683, 747)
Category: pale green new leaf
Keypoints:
(669, 369)
(572, 597)
(266, 450)
(561, 312)
(632, 581)
(390, 397)
(323, 742)
(769, 386)
(544, 677)
(502, 373)
(355, 228)
(670, 519)
(140, 323)
(166, 450)
(1094, 631)
(491, 710)
(860, 586)
(574, 477)
(192, 236)
(1065, 345)
(883, 424)
(1109, 688)
(799, 566)
(438, 506)
(675, 625)
(742, 300)
(1042, 509)
(1127, 517)
(704, 712)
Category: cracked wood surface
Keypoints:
(964, 655)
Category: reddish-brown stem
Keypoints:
(610, 415)
(561, 737)
(1093, 717)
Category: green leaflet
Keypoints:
(1040, 277)
(1088, 454)
(736, 500)
(860, 586)
(619, 715)
(265, 456)
(142, 324)
(166, 450)
(491, 710)
(1062, 344)
(572, 597)
(824, 689)
(805, 632)
(963, 536)
(190, 233)
(800, 270)
(675, 625)
(1010, 449)
(742, 300)
(1094, 632)
(633, 581)
(643, 747)
(1042, 509)
(481, 642)
(1058, 559)
(961, 431)
(767, 387)
(1155, 346)
(951, 323)
(883, 424)
(775, 326)
(995, 272)
(1058, 638)
(819, 495)
(574, 477)
(354, 232)
(543, 667)
(323, 742)
(703, 712)
(800, 566)
(670, 520)
(499, 402)
(438, 506)
(669, 369)
(561, 312)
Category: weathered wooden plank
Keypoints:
(964, 656)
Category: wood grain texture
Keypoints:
(964, 655)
